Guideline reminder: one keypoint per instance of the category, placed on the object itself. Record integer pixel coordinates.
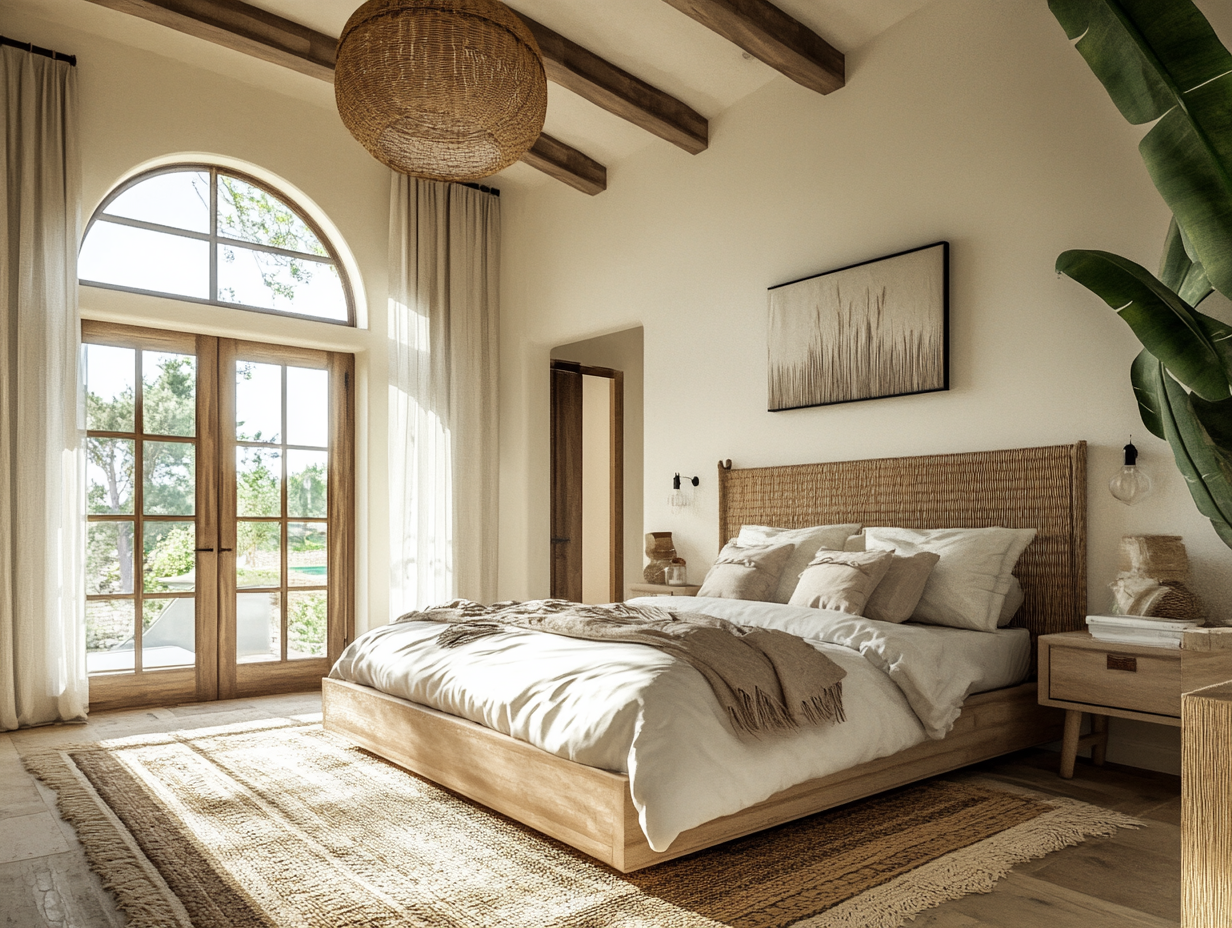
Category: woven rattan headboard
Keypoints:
(1041, 488)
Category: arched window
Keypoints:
(213, 235)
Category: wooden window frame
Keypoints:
(214, 240)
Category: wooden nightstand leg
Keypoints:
(1099, 739)
(1069, 743)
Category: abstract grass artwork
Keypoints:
(871, 330)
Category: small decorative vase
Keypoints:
(660, 550)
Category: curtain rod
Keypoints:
(34, 49)
(480, 187)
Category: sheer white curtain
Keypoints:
(42, 592)
(444, 267)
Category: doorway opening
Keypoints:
(587, 483)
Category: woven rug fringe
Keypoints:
(974, 869)
(120, 868)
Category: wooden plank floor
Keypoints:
(1131, 880)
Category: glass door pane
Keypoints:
(283, 429)
(143, 486)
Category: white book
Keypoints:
(1174, 643)
(1140, 621)
(1146, 634)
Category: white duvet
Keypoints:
(632, 709)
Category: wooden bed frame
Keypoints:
(592, 810)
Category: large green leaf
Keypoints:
(1206, 467)
(1162, 61)
(1195, 348)
(1216, 419)
(1179, 272)
(1142, 376)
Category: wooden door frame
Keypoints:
(616, 489)
(215, 678)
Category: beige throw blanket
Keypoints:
(765, 679)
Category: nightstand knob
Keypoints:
(1121, 662)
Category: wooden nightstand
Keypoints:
(1080, 674)
(662, 589)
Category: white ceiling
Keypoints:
(648, 38)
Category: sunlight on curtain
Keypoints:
(443, 431)
(42, 495)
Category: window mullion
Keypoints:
(275, 250)
(152, 227)
(139, 510)
(214, 234)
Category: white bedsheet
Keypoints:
(632, 709)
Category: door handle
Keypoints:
(204, 550)
(561, 541)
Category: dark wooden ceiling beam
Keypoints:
(241, 27)
(766, 32)
(619, 92)
(567, 165)
(245, 28)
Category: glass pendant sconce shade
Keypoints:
(1130, 484)
(677, 498)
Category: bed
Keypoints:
(593, 809)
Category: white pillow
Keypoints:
(855, 543)
(1013, 602)
(967, 588)
(806, 541)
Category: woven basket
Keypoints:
(1176, 602)
(450, 90)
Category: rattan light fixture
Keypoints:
(442, 89)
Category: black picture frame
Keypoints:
(876, 329)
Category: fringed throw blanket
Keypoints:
(765, 679)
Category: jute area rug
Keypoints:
(286, 825)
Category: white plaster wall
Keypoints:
(969, 121)
(138, 106)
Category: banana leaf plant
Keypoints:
(1161, 62)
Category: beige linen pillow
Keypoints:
(968, 585)
(855, 542)
(899, 592)
(746, 571)
(841, 580)
(805, 541)
(1013, 602)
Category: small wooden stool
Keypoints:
(1072, 742)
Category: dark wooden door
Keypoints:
(566, 481)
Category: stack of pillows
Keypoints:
(959, 577)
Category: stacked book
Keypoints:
(1139, 629)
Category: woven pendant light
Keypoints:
(442, 89)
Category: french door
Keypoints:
(220, 554)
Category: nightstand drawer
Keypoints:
(1110, 678)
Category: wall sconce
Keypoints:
(677, 499)
(1130, 484)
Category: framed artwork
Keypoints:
(880, 328)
